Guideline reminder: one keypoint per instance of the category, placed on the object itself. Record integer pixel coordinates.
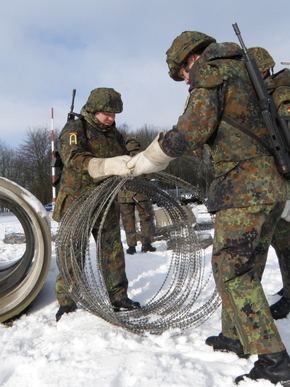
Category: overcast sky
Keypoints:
(48, 48)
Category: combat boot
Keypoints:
(148, 247)
(225, 344)
(274, 367)
(126, 304)
(65, 309)
(281, 308)
(131, 250)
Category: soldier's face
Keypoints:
(184, 71)
(106, 118)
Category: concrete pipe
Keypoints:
(22, 278)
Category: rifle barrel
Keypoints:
(73, 100)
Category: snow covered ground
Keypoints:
(82, 350)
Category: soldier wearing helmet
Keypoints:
(133, 145)
(186, 44)
(92, 149)
(263, 59)
(131, 201)
(247, 193)
(278, 84)
(279, 88)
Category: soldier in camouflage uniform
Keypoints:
(91, 149)
(129, 202)
(247, 194)
(278, 86)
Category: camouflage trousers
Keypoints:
(112, 261)
(241, 242)
(146, 217)
(281, 244)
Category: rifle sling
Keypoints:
(237, 125)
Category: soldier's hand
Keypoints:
(114, 166)
(151, 160)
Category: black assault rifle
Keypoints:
(71, 115)
(56, 159)
(277, 125)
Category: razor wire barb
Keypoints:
(181, 299)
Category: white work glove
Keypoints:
(151, 160)
(286, 212)
(101, 168)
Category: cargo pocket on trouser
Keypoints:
(237, 258)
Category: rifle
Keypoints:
(277, 125)
(71, 114)
(56, 161)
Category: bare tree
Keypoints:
(124, 129)
(35, 159)
(7, 161)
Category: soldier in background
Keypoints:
(278, 86)
(247, 194)
(129, 202)
(92, 149)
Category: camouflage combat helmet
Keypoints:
(132, 143)
(104, 100)
(262, 57)
(184, 45)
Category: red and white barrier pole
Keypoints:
(52, 159)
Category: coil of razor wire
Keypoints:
(186, 297)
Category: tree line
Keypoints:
(29, 165)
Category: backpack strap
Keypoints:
(237, 125)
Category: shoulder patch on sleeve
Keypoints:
(73, 139)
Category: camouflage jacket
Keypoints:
(245, 172)
(77, 144)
